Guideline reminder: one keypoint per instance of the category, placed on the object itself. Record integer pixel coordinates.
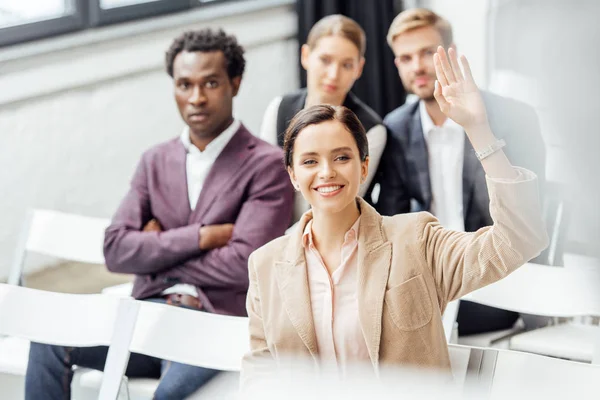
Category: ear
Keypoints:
(361, 66)
(235, 84)
(364, 170)
(397, 62)
(292, 175)
(304, 55)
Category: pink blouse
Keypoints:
(334, 301)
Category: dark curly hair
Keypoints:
(206, 40)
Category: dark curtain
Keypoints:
(379, 85)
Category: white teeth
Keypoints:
(328, 189)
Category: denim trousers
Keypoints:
(50, 372)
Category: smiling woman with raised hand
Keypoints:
(333, 57)
(351, 286)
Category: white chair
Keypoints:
(520, 375)
(551, 292)
(186, 336)
(56, 234)
(60, 235)
(66, 320)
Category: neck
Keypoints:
(202, 139)
(434, 111)
(329, 229)
(313, 99)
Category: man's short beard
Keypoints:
(425, 99)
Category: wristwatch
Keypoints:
(491, 149)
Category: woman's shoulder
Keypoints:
(367, 116)
(271, 252)
(401, 228)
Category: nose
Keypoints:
(197, 98)
(327, 171)
(417, 63)
(333, 71)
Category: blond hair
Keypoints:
(338, 25)
(415, 18)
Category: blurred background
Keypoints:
(83, 93)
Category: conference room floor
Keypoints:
(75, 277)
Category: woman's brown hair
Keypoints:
(338, 25)
(321, 113)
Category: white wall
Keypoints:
(547, 55)
(74, 122)
(468, 20)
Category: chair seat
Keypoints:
(570, 341)
(223, 386)
(489, 339)
(14, 353)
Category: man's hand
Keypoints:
(152, 226)
(215, 236)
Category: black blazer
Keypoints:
(403, 173)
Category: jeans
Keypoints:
(50, 372)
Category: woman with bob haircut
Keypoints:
(350, 286)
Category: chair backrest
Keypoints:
(544, 290)
(181, 335)
(61, 235)
(520, 375)
(79, 320)
(74, 320)
(191, 337)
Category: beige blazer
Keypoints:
(409, 268)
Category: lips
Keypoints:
(330, 88)
(198, 116)
(328, 190)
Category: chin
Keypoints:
(331, 206)
(424, 94)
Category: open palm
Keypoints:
(456, 92)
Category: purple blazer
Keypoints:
(247, 186)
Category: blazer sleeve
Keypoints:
(259, 360)
(127, 249)
(264, 216)
(463, 262)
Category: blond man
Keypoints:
(428, 165)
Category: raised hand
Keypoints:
(456, 92)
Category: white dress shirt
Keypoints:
(197, 166)
(446, 149)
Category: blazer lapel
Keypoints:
(374, 260)
(223, 170)
(470, 165)
(418, 155)
(292, 280)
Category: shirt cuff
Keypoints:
(523, 175)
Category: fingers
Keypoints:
(454, 63)
(439, 96)
(441, 76)
(467, 69)
(152, 226)
(446, 67)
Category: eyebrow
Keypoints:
(336, 150)
(186, 76)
